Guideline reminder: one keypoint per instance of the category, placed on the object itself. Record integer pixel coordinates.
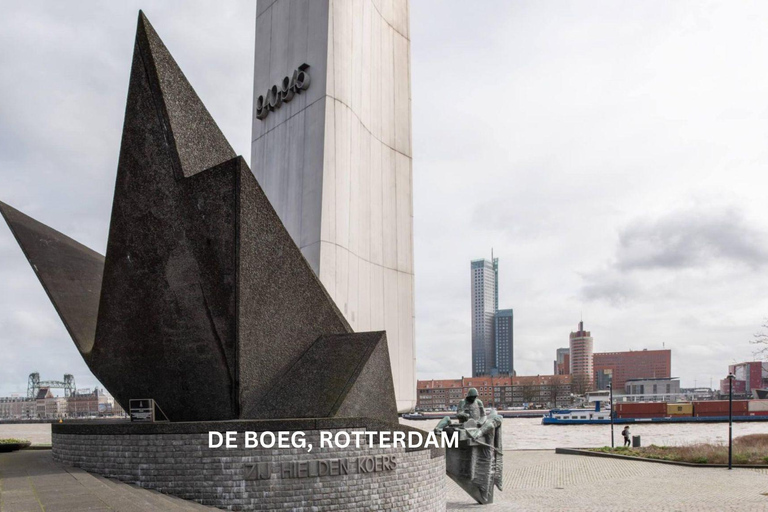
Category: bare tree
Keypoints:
(760, 339)
(580, 384)
(554, 392)
(529, 393)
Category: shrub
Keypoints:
(751, 449)
(740, 458)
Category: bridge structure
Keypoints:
(34, 384)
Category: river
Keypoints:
(528, 433)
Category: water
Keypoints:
(38, 433)
(529, 433)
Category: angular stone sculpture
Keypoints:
(339, 375)
(203, 302)
(69, 272)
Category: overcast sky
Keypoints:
(613, 154)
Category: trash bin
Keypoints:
(635, 441)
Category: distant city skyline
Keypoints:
(616, 165)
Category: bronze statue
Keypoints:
(476, 465)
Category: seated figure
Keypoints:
(471, 414)
(470, 407)
(477, 463)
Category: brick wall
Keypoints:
(181, 464)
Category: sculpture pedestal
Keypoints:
(476, 465)
(174, 458)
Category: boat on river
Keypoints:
(709, 411)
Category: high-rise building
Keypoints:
(563, 361)
(619, 367)
(333, 155)
(503, 334)
(485, 303)
(581, 345)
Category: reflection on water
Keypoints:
(530, 434)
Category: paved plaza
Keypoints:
(533, 480)
(545, 481)
(30, 481)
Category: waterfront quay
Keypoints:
(534, 480)
(544, 481)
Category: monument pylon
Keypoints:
(335, 156)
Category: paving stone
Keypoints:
(31, 482)
(545, 481)
(533, 481)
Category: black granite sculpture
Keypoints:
(203, 302)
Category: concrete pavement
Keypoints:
(545, 481)
(533, 481)
(30, 481)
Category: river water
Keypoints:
(530, 434)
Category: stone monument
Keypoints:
(336, 160)
(205, 304)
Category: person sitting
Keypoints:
(470, 407)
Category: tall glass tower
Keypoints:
(485, 304)
(503, 337)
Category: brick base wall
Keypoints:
(181, 464)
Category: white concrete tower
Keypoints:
(334, 155)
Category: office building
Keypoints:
(580, 350)
(504, 341)
(485, 304)
(665, 389)
(619, 367)
(749, 377)
(563, 361)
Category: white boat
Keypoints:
(601, 413)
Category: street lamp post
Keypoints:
(730, 420)
(610, 389)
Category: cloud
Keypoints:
(691, 238)
(561, 126)
(614, 287)
(676, 253)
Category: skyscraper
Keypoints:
(333, 155)
(581, 358)
(563, 361)
(504, 342)
(485, 303)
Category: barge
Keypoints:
(711, 411)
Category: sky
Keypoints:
(612, 154)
